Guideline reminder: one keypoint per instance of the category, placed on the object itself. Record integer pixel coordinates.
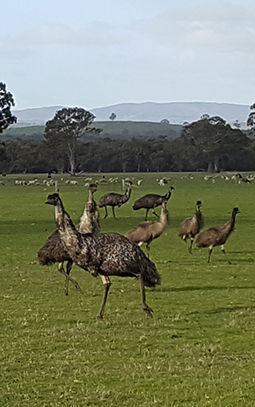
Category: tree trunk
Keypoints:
(71, 158)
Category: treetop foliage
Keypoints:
(6, 102)
(69, 122)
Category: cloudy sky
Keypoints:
(93, 53)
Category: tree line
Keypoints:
(209, 144)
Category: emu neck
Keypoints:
(230, 224)
(128, 193)
(67, 231)
(199, 217)
(164, 217)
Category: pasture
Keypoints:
(198, 349)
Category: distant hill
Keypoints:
(175, 112)
(115, 130)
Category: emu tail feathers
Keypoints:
(149, 273)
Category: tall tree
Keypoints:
(251, 119)
(212, 144)
(64, 130)
(6, 102)
(112, 116)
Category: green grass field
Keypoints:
(198, 350)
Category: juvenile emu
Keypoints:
(190, 227)
(217, 235)
(53, 251)
(108, 254)
(147, 231)
(113, 199)
(151, 201)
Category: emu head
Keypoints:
(235, 211)
(168, 194)
(53, 199)
(198, 205)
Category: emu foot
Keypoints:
(94, 273)
(78, 288)
(148, 310)
(100, 316)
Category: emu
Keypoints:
(53, 251)
(190, 227)
(108, 254)
(113, 199)
(148, 231)
(151, 201)
(217, 235)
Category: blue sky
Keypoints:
(103, 52)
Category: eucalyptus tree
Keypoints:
(64, 130)
(251, 119)
(6, 102)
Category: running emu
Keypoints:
(53, 251)
(151, 201)
(190, 227)
(108, 254)
(147, 231)
(113, 199)
(217, 235)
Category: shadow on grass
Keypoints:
(204, 288)
(229, 309)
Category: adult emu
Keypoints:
(113, 199)
(217, 235)
(151, 201)
(53, 251)
(148, 231)
(190, 227)
(108, 254)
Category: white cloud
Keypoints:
(221, 26)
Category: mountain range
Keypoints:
(175, 112)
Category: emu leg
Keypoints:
(107, 284)
(106, 213)
(209, 255)
(68, 270)
(223, 251)
(148, 247)
(146, 214)
(113, 212)
(155, 213)
(145, 306)
(62, 271)
(191, 244)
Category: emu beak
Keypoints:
(49, 202)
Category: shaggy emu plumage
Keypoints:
(190, 227)
(217, 235)
(151, 201)
(108, 254)
(53, 251)
(113, 199)
(147, 231)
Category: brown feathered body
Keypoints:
(107, 254)
(151, 201)
(148, 231)
(190, 227)
(114, 199)
(217, 235)
(54, 251)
